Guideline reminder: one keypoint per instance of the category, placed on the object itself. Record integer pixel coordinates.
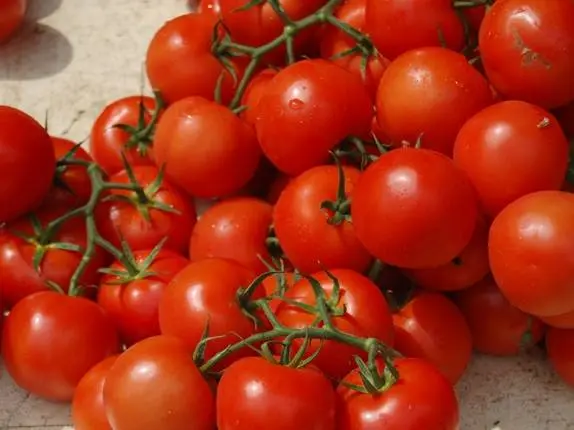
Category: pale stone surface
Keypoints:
(80, 55)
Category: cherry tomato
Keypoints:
(255, 90)
(217, 169)
(287, 397)
(531, 252)
(422, 398)
(513, 130)
(527, 50)
(155, 385)
(12, 13)
(448, 92)
(413, 208)
(51, 340)
(307, 109)
(27, 162)
(560, 349)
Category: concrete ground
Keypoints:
(73, 57)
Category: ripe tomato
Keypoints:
(366, 314)
(255, 90)
(497, 327)
(51, 340)
(466, 269)
(219, 168)
(143, 222)
(527, 50)
(532, 139)
(235, 229)
(88, 409)
(108, 141)
(421, 399)
(307, 109)
(287, 397)
(309, 239)
(430, 326)
(448, 92)
(12, 14)
(27, 162)
(155, 385)
(132, 300)
(397, 26)
(560, 349)
(413, 208)
(531, 252)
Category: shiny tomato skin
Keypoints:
(155, 385)
(531, 253)
(207, 6)
(527, 50)
(108, 142)
(413, 208)
(307, 109)
(422, 399)
(290, 398)
(219, 168)
(51, 340)
(27, 162)
(12, 13)
(88, 409)
(450, 93)
(560, 350)
(512, 130)
(255, 90)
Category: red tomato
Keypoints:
(430, 326)
(448, 92)
(286, 398)
(235, 229)
(255, 90)
(497, 327)
(466, 269)
(527, 50)
(27, 162)
(526, 134)
(560, 321)
(531, 252)
(12, 14)
(367, 314)
(560, 349)
(171, 213)
(397, 26)
(88, 409)
(108, 141)
(421, 399)
(303, 228)
(155, 385)
(307, 109)
(51, 340)
(132, 300)
(413, 208)
(221, 167)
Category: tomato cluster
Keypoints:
(387, 190)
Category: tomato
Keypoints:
(51, 340)
(307, 233)
(27, 162)
(560, 349)
(513, 130)
(560, 321)
(57, 265)
(155, 385)
(132, 299)
(448, 92)
(466, 269)
(255, 90)
(88, 409)
(421, 399)
(235, 229)
(108, 141)
(366, 314)
(142, 221)
(12, 13)
(205, 292)
(216, 169)
(180, 63)
(287, 397)
(413, 208)
(397, 26)
(527, 50)
(531, 252)
(307, 109)
(430, 326)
